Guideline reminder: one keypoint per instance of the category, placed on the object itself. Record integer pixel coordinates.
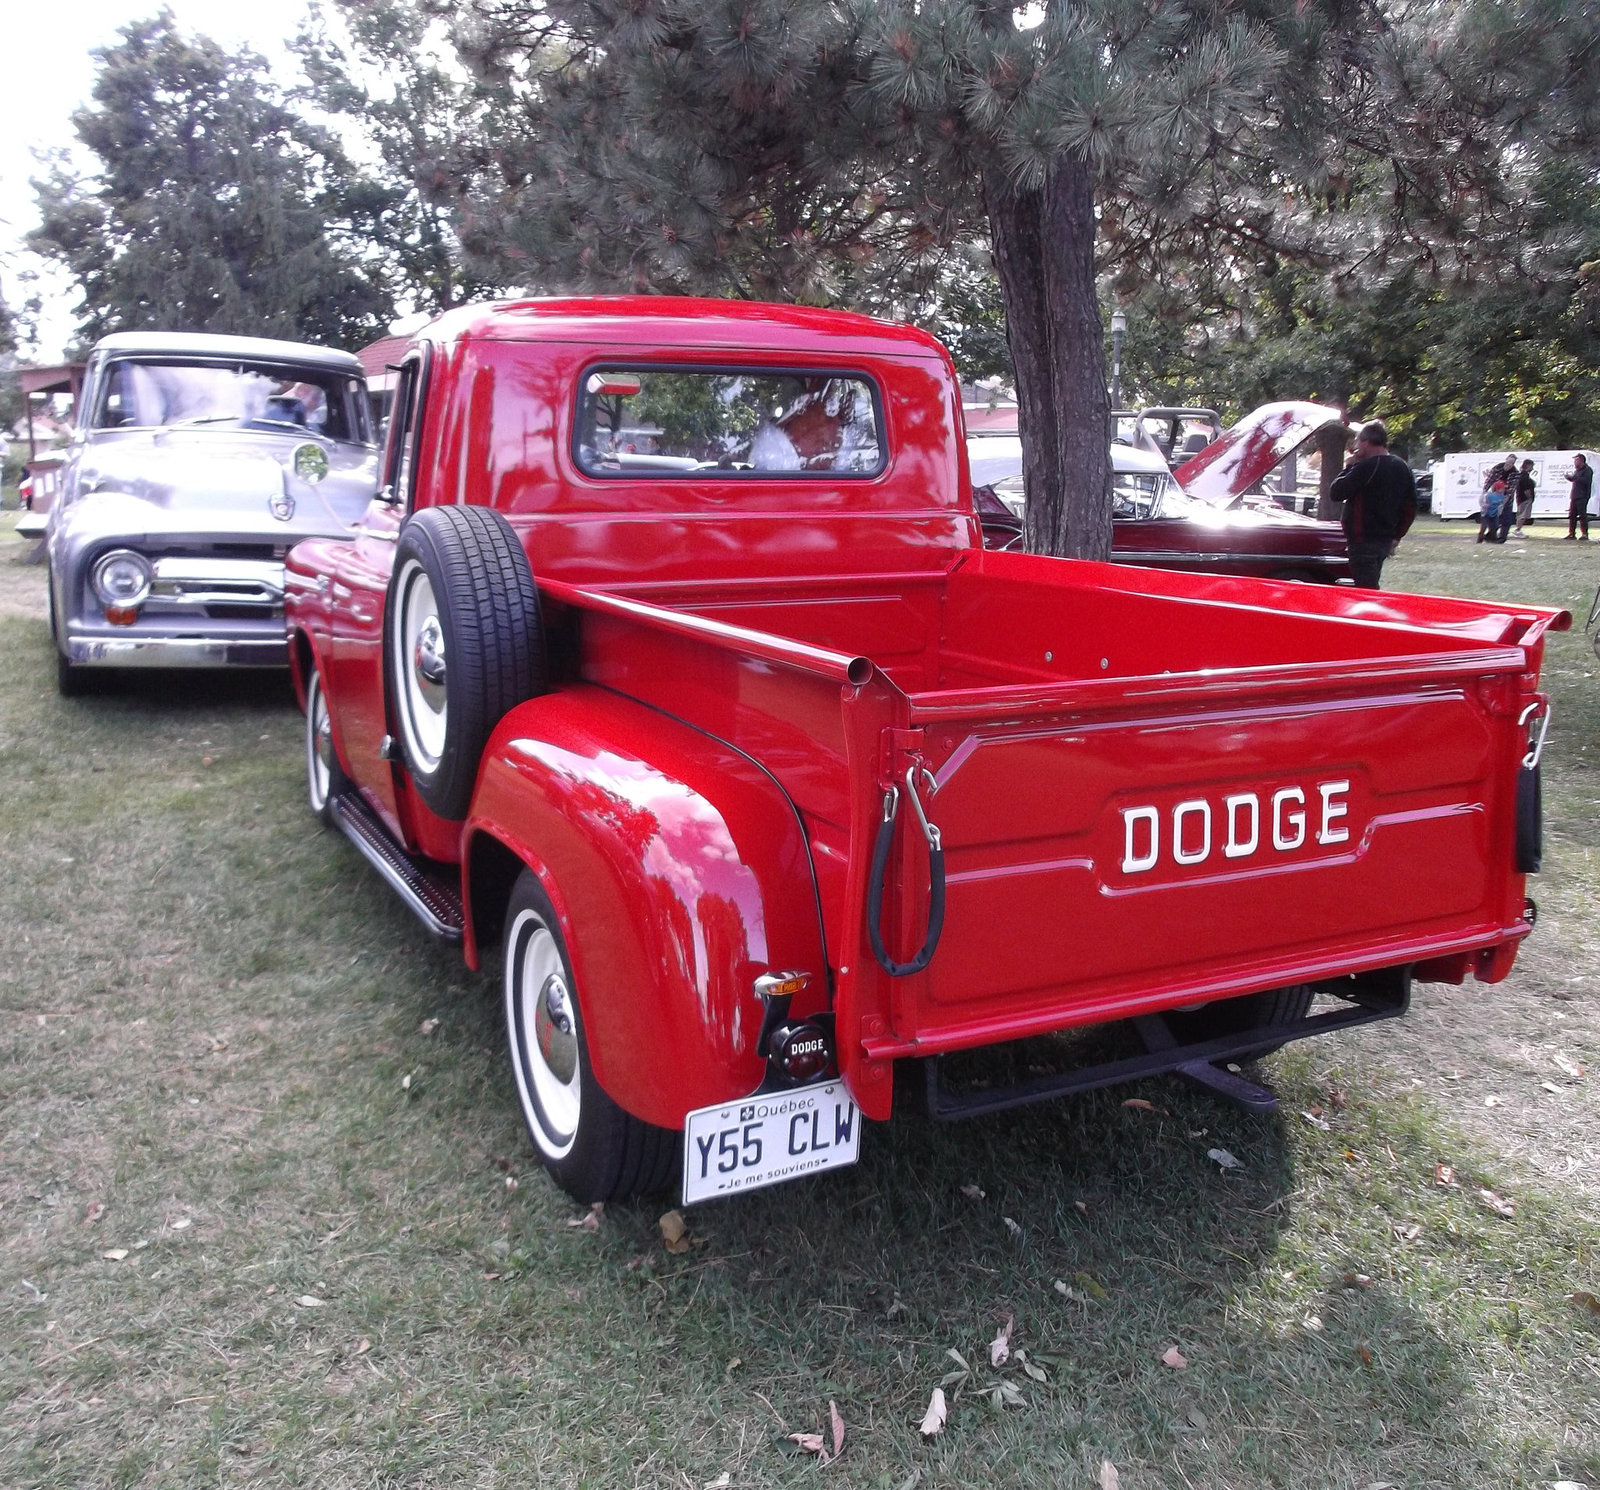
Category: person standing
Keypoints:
(1582, 478)
(1379, 496)
(1526, 488)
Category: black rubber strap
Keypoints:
(880, 862)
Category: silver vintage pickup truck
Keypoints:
(197, 463)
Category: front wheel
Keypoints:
(325, 778)
(592, 1148)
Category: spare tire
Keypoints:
(463, 644)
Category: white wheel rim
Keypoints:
(319, 744)
(419, 669)
(544, 1057)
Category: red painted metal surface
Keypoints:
(1154, 788)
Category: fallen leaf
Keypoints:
(218, 1045)
(511, 1182)
(1139, 1104)
(1198, 1419)
(933, 1420)
(590, 1219)
(674, 1232)
(1550, 1086)
(1000, 1346)
(1572, 1068)
(94, 1213)
(490, 1277)
(1586, 1299)
(310, 1301)
(1443, 1174)
(1316, 1120)
(115, 1254)
(1006, 1394)
(956, 1356)
(1223, 1158)
(810, 1443)
(1081, 1207)
(1365, 1354)
(405, 1082)
(1075, 1295)
(1089, 1286)
(1493, 1101)
(1408, 1233)
(972, 1192)
(1316, 1110)
(1036, 1373)
(1357, 1280)
(836, 1423)
(1337, 1100)
(363, 1345)
(205, 760)
(1109, 1478)
(183, 1223)
(1312, 1324)
(1176, 1359)
(721, 1482)
(428, 1026)
(1013, 1228)
(1498, 1204)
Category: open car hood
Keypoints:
(1229, 466)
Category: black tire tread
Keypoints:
(495, 638)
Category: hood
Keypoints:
(225, 481)
(1229, 466)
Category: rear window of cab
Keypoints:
(730, 420)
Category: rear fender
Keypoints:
(680, 873)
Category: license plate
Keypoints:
(744, 1145)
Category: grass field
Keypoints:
(257, 1228)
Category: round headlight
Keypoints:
(311, 463)
(121, 578)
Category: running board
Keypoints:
(1383, 994)
(431, 898)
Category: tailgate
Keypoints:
(1116, 847)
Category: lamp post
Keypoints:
(1119, 328)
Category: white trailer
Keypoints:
(1458, 481)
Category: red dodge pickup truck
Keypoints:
(669, 656)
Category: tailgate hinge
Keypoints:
(901, 747)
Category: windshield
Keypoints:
(1134, 495)
(154, 393)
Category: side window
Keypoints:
(405, 425)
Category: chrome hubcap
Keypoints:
(319, 745)
(427, 660)
(553, 1029)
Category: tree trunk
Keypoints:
(1044, 251)
(1330, 445)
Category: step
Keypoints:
(432, 894)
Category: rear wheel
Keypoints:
(592, 1148)
(325, 778)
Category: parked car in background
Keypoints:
(1155, 522)
(198, 461)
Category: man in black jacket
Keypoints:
(1379, 496)
(1582, 478)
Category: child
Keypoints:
(1494, 498)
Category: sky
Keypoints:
(50, 73)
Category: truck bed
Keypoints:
(1356, 808)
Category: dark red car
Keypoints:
(1203, 519)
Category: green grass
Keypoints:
(208, 1011)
